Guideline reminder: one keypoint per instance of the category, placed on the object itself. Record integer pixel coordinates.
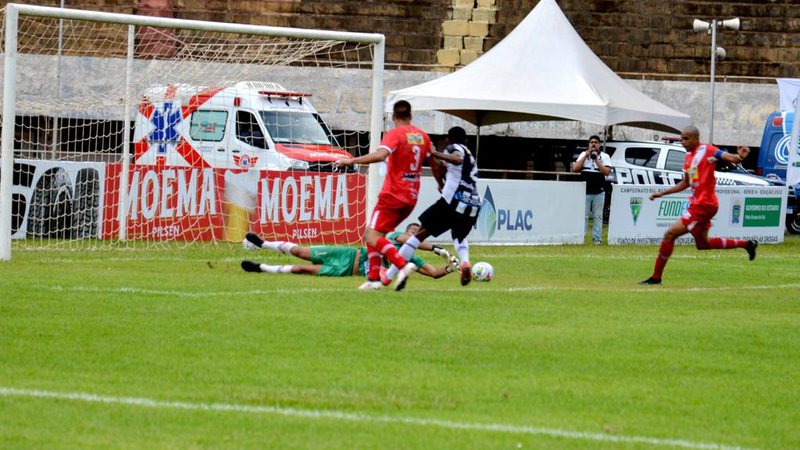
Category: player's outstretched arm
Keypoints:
(683, 184)
(434, 272)
(378, 155)
(741, 154)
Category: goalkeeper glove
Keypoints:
(441, 252)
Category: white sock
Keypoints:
(286, 268)
(462, 248)
(406, 251)
(279, 246)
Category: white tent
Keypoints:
(541, 71)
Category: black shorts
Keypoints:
(442, 216)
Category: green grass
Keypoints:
(562, 350)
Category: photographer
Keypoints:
(594, 165)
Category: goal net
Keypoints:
(132, 129)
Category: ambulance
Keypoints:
(250, 125)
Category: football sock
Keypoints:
(276, 269)
(406, 251)
(279, 246)
(722, 243)
(664, 252)
(374, 258)
(462, 249)
(389, 252)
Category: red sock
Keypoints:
(720, 243)
(387, 250)
(664, 252)
(374, 258)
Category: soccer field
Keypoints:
(179, 348)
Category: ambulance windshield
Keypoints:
(297, 127)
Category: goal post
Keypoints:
(122, 128)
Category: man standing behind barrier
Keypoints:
(404, 148)
(594, 164)
(698, 169)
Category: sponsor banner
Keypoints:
(166, 203)
(518, 212)
(56, 199)
(193, 203)
(745, 212)
(319, 208)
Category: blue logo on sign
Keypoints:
(491, 219)
(164, 122)
(487, 217)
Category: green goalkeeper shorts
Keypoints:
(335, 261)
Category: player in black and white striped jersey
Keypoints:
(457, 209)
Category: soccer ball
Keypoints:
(482, 271)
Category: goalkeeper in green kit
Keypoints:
(341, 261)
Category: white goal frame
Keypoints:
(14, 11)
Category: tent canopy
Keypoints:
(541, 71)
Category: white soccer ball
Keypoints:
(482, 271)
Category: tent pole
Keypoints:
(477, 143)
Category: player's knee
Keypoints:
(702, 245)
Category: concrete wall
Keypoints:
(342, 96)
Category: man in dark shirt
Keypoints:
(594, 165)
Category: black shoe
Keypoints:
(254, 239)
(751, 249)
(250, 266)
(651, 281)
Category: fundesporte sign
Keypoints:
(745, 212)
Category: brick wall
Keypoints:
(631, 36)
(655, 36)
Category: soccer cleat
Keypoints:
(253, 238)
(466, 273)
(403, 274)
(751, 249)
(250, 266)
(370, 285)
(651, 281)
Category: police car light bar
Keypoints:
(284, 94)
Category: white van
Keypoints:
(252, 124)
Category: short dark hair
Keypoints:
(402, 110)
(594, 136)
(412, 224)
(457, 135)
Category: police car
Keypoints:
(642, 162)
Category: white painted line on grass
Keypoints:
(361, 417)
(311, 290)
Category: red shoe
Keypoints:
(466, 273)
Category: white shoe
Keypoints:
(403, 274)
(370, 286)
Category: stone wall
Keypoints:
(655, 36)
(644, 38)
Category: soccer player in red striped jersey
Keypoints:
(698, 169)
(404, 149)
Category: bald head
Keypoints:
(690, 138)
(692, 130)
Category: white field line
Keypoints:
(310, 290)
(360, 417)
(693, 254)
